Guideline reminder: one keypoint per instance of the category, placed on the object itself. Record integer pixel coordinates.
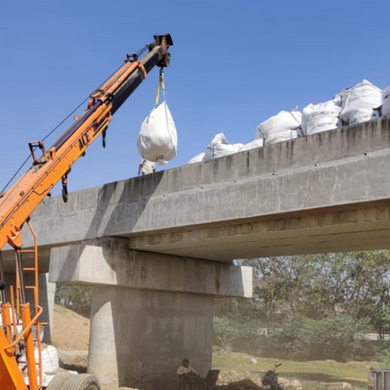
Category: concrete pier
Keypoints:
(149, 311)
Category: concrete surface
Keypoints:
(139, 337)
(149, 311)
(114, 264)
(326, 192)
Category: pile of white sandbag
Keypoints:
(257, 143)
(360, 103)
(317, 118)
(386, 102)
(281, 127)
(198, 158)
(50, 363)
(220, 147)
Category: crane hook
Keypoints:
(104, 138)
(64, 181)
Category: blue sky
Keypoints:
(234, 64)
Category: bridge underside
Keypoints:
(355, 228)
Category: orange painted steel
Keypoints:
(6, 317)
(29, 342)
(11, 378)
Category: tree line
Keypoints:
(310, 307)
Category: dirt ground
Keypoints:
(70, 330)
(71, 335)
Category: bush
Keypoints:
(75, 297)
(383, 355)
(331, 338)
(232, 335)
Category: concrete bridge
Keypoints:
(158, 248)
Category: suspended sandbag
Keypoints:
(157, 139)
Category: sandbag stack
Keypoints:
(359, 105)
(317, 118)
(198, 158)
(257, 143)
(220, 147)
(386, 102)
(281, 127)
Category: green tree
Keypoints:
(75, 297)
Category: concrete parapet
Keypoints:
(185, 211)
(114, 264)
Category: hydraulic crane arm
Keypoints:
(17, 204)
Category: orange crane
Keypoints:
(20, 341)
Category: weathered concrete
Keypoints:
(139, 337)
(326, 192)
(114, 264)
(149, 311)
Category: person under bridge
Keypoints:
(187, 375)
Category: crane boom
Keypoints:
(17, 204)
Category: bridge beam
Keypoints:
(149, 311)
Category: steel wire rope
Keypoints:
(139, 52)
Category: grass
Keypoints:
(311, 374)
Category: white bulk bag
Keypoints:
(344, 95)
(283, 121)
(198, 158)
(317, 118)
(259, 134)
(283, 136)
(360, 116)
(361, 100)
(49, 359)
(157, 139)
(220, 147)
(386, 102)
(257, 143)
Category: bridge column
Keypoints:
(149, 311)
